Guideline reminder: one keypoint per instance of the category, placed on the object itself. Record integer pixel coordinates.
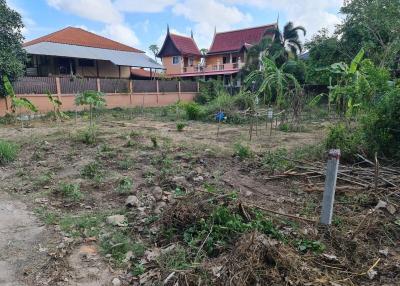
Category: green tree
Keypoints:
(154, 48)
(374, 25)
(12, 55)
(324, 50)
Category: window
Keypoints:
(176, 60)
(86, 63)
(225, 60)
(191, 61)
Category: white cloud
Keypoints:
(312, 14)
(29, 23)
(152, 6)
(97, 10)
(121, 33)
(103, 11)
(208, 15)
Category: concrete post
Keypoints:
(158, 90)
(130, 91)
(98, 85)
(58, 87)
(179, 90)
(330, 186)
(198, 87)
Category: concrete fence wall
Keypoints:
(119, 92)
(123, 100)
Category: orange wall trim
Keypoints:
(123, 100)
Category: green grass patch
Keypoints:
(8, 151)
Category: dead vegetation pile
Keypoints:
(228, 243)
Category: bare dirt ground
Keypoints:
(57, 197)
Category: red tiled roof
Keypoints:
(235, 40)
(80, 37)
(144, 73)
(186, 45)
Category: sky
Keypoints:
(141, 23)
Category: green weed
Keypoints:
(154, 141)
(242, 151)
(119, 243)
(125, 186)
(71, 191)
(87, 225)
(138, 269)
(88, 136)
(305, 245)
(177, 258)
(126, 164)
(46, 216)
(92, 171)
(180, 126)
(276, 161)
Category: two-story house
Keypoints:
(225, 58)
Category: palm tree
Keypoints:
(203, 51)
(155, 49)
(289, 39)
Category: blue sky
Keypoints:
(140, 23)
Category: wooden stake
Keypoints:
(330, 186)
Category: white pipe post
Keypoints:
(330, 186)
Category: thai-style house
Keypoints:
(180, 55)
(74, 51)
(225, 58)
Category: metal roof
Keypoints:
(119, 58)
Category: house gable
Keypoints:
(169, 48)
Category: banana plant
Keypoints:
(17, 102)
(273, 81)
(56, 103)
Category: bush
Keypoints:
(193, 110)
(8, 152)
(242, 151)
(381, 126)
(244, 100)
(348, 140)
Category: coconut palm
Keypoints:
(289, 38)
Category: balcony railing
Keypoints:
(213, 68)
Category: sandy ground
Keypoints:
(24, 241)
(20, 237)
